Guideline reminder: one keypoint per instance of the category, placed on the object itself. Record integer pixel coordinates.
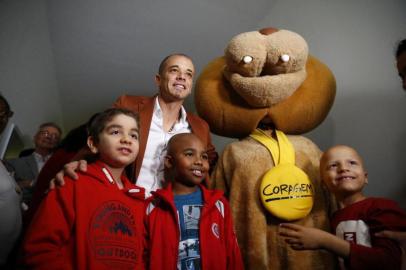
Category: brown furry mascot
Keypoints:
(266, 78)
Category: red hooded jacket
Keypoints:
(218, 243)
(87, 224)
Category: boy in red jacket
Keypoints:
(187, 225)
(95, 223)
(357, 220)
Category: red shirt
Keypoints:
(358, 224)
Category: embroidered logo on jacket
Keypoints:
(112, 236)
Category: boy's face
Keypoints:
(187, 158)
(118, 142)
(342, 171)
(176, 81)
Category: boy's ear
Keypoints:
(157, 80)
(366, 178)
(168, 161)
(90, 143)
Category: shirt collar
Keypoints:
(158, 112)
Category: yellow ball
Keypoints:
(287, 192)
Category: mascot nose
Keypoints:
(247, 59)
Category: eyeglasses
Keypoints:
(7, 114)
(48, 134)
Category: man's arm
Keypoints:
(400, 237)
(69, 170)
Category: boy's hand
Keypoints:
(70, 171)
(300, 237)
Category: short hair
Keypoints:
(169, 146)
(98, 124)
(4, 100)
(163, 62)
(50, 124)
(401, 48)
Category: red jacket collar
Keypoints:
(100, 172)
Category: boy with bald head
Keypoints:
(187, 225)
(356, 221)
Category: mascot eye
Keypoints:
(247, 59)
(285, 58)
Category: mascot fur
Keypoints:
(266, 78)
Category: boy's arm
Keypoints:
(384, 253)
(304, 238)
(47, 239)
(234, 259)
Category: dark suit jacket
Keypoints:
(25, 167)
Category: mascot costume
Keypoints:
(265, 91)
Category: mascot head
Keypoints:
(266, 77)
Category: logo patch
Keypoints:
(350, 237)
(215, 230)
(112, 236)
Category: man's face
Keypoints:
(401, 65)
(176, 79)
(47, 138)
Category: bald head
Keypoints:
(339, 151)
(179, 140)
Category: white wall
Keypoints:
(27, 73)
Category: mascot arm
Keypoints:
(266, 90)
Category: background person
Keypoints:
(28, 167)
(10, 200)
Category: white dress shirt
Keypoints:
(151, 174)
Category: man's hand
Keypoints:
(70, 171)
(25, 183)
(400, 237)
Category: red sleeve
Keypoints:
(234, 259)
(384, 253)
(46, 243)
